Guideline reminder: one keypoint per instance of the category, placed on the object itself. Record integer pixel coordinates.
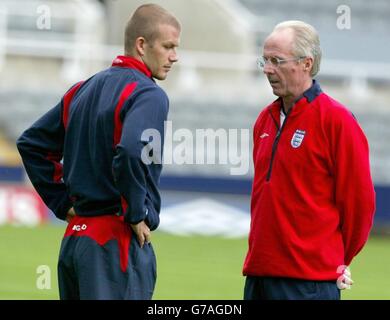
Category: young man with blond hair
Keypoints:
(84, 157)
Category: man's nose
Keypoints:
(174, 57)
(268, 69)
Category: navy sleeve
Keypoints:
(41, 149)
(148, 111)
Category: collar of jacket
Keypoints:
(305, 99)
(132, 63)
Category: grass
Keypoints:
(370, 272)
(188, 267)
(22, 250)
(199, 267)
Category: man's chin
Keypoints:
(160, 76)
(276, 92)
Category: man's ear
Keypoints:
(308, 63)
(140, 46)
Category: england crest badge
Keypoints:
(297, 138)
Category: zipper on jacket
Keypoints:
(275, 144)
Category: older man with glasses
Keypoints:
(313, 199)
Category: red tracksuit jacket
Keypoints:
(313, 199)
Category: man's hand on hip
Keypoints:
(143, 232)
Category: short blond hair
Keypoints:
(145, 22)
(306, 42)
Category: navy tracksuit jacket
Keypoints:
(87, 153)
(97, 130)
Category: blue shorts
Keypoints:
(100, 258)
(273, 288)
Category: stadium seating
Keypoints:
(216, 83)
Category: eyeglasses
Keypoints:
(274, 61)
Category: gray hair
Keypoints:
(306, 42)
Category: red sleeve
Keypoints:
(354, 190)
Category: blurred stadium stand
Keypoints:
(215, 84)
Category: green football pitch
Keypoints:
(188, 267)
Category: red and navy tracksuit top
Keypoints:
(313, 198)
(86, 152)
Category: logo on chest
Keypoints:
(297, 138)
